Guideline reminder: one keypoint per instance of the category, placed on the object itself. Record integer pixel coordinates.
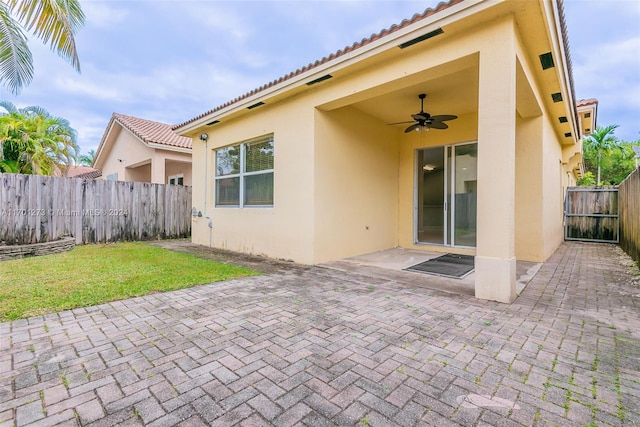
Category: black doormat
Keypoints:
(449, 265)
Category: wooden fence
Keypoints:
(629, 196)
(591, 214)
(36, 209)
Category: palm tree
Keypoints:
(33, 141)
(53, 21)
(601, 141)
(87, 159)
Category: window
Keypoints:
(176, 179)
(244, 174)
(112, 177)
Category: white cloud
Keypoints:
(104, 15)
(172, 60)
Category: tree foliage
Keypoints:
(608, 160)
(87, 159)
(32, 141)
(54, 22)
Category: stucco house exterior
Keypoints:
(312, 168)
(140, 150)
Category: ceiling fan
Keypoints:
(426, 120)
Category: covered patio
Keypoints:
(392, 264)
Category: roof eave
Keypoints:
(560, 44)
(332, 66)
(103, 142)
(158, 146)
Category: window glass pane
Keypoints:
(180, 180)
(258, 189)
(259, 156)
(228, 161)
(228, 192)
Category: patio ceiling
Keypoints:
(456, 93)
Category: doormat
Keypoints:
(449, 265)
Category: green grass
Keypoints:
(94, 274)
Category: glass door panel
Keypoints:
(465, 199)
(446, 195)
(430, 196)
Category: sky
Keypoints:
(171, 60)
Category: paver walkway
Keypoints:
(321, 347)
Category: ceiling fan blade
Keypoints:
(400, 123)
(437, 125)
(444, 117)
(412, 128)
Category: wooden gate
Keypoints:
(591, 214)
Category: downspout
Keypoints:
(204, 137)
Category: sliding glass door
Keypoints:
(446, 195)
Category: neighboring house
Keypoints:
(587, 110)
(308, 167)
(140, 150)
(84, 172)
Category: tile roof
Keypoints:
(585, 102)
(383, 33)
(85, 172)
(348, 49)
(152, 132)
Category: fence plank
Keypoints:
(37, 209)
(629, 195)
(591, 214)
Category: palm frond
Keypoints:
(16, 63)
(9, 106)
(55, 22)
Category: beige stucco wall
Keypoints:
(140, 173)
(178, 167)
(283, 231)
(344, 181)
(356, 184)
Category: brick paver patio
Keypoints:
(320, 347)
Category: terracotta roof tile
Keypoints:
(585, 102)
(565, 42)
(153, 132)
(348, 49)
(78, 172)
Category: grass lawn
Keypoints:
(94, 274)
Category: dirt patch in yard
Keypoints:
(257, 263)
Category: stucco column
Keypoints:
(157, 169)
(495, 262)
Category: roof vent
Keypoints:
(546, 59)
(422, 38)
(257, 104)
(319, 79)
(568, 134)
(557, 97)
(213, 122)
(563, 119)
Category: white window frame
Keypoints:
(242, 174)
(175, 177)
